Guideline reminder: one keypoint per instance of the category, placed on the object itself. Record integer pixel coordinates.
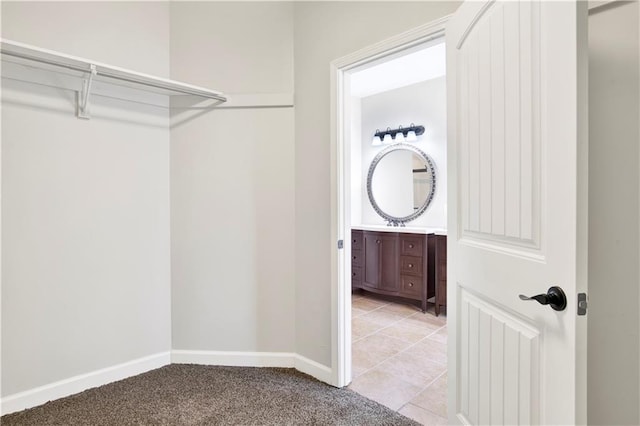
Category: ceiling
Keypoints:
(411, 68)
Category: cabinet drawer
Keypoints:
(356, 278)
(356, 240)
(356, 257)
(411, 265)
(411, 286)
(356, 274)
(411, 246)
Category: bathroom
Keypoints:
(398, 222)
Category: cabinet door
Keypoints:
(372, 244)
(389, 277)
(380, 261)
(441, 271)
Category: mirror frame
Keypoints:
(394, 220)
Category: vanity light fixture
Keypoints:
(401, 134)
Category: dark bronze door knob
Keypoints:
(555, 298)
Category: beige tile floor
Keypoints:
(399, 358)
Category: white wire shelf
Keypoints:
(23, 58)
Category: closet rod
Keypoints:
(44, 61)
(118, 74)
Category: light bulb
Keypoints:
(376, 141)
(411, 136)
(387, 138)
(399, 137)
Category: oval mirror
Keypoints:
(401, 183)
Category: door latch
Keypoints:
(340, 244)
(582, 304)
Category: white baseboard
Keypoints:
(233, 358)
(314, 369)
(40, 395)
(254, 359)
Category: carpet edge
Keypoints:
(254, 359)
(72, 385)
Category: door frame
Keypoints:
(340, 184)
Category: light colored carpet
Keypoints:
(204, 395)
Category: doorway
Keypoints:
(374, 332)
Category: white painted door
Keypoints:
(517, 211)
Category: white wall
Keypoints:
(614, 240)
(250, 259)
(249, 252)
(85, 211)
(323, 32)
(132, 35)
(423, 104)
(232, 181)
(355, 155)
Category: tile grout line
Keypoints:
(425, 388)
(400, 352)
(380, 332)
(394, 323)
(399, 378)
(394, 355)
(424, 409)
(403, 350)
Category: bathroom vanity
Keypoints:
(401, 262)
(396, 260)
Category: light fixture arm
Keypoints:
(419, 130)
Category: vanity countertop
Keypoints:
(407, 229)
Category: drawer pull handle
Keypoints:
(353, 274)
(354, 241)
(377, 241)
(410, 284)
(410, 265)
(354, 258)
(410, 245)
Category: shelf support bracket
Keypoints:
(83, 96)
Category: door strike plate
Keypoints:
(582, 304)
(340, 244)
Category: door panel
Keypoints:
(516, 83)
(381, 261)
(500, 359)
(371, 244)
(389, 263)
(499, 101)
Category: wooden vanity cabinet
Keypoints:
(356, 259)
(380, 263)
(390, 264)
(399, 264)
(440, 260)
